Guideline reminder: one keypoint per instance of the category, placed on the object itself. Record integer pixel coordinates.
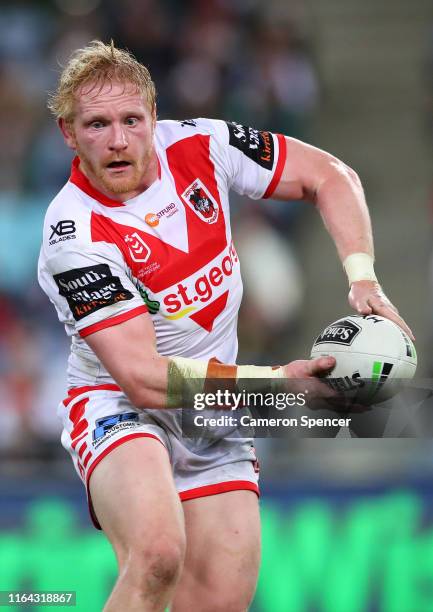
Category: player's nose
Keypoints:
(118, 140)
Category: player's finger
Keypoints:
(360, 304)
(321, 366)
(362, 308)
(390, 314)
(381, 301)
(404, 326)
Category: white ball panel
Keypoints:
(371, 352)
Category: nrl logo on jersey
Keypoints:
(138, 249)
(198, 198)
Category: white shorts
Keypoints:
(98, 419)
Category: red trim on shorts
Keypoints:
(78, 440)
(125, 316)
(115, 445)
(221, 487)
(82, 449)
(80, 426)
(74, 391)
(79, 422)
(279, 167)
(79, 429)
(104, 454)
(87, 459)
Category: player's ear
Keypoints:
(68, 133)
(154, 116)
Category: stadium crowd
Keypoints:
(248, 61)
(243, 61)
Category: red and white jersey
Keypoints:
(168, 251)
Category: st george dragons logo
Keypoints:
(198, 198)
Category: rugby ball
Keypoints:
(374, 356)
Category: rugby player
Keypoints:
(138, 260)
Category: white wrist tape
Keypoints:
(253, 377)
(250, 371)
(187, 377)
(359, 266)
(186, 368)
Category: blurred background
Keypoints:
(347, 523)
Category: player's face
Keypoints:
(112, 133)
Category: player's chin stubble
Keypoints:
(121, 185)
(117, 185)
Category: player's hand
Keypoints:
(367, 297)
(308, 368)
(304, 376)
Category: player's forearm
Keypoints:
(151, 380)
(341, 202)
(312, 174)
(171, 382)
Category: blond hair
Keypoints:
(95, 65)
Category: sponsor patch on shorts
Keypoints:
(109, 426)
(91, 288)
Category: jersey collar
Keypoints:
(82, 182)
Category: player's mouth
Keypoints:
(119, 165)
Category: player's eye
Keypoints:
(131, 121)
(97, 125)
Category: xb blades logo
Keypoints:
(63, 228)
(138, 249)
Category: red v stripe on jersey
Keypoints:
(207, 315)
(189, 160)
(170, 260)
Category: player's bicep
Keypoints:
(128, 352)
(305, 169)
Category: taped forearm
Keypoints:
(189, 376)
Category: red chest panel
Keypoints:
(159, 264)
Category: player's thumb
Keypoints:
(321, 366)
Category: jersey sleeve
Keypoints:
(253, 159)
(90, 288)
